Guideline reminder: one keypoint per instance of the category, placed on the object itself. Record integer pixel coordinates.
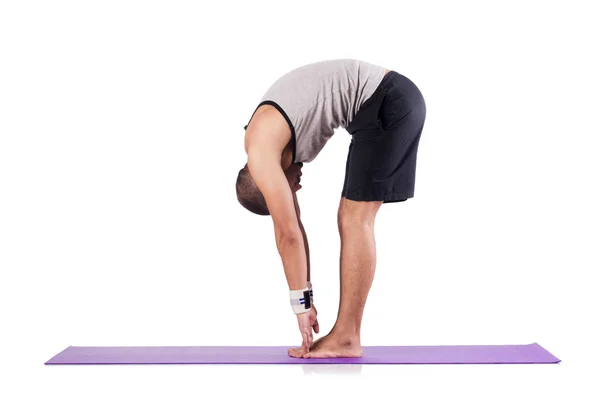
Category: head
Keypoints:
(250, 197)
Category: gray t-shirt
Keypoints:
(316, 98)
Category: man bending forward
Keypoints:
(384, 112)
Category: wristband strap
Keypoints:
(300, 300)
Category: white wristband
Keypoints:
(300, 300)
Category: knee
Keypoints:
(354, 218)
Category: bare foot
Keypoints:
(331, 346)
(298, 352)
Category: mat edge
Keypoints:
(49, 362)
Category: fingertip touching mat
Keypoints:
(476, 354)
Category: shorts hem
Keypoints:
(386, 198)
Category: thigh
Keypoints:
(393, 169)
(385, 133)
(382, 160)
(364, 157)
(346, 173)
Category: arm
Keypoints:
(306, 249)
(265, 168)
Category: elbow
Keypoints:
(288, 237)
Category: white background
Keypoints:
(121, 134)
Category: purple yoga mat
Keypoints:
(494, 354)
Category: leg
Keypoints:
(357, 263)
(380, 167)
(356, 221)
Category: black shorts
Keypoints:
(385, 134)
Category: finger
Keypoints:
(302, 351)
(306, 340)
(316, 326)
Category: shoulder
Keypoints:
(268, 126)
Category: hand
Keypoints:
(293, 174)
(307, 322)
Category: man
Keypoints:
(384, 113)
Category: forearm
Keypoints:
(293, 255)
(306, 250)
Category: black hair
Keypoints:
(248, 194)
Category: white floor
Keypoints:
(565, 379)
(317, 380)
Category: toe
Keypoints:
(297, 352)
(293, 352)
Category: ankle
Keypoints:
(345, 337)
